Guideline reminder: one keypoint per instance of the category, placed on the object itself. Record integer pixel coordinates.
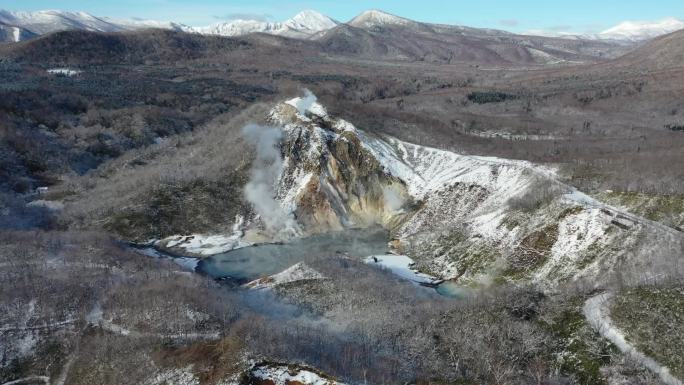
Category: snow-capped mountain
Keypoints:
(302, 25)
(17, 26)
(626, 32)
(376, 18)
(26, 25)
(40, 22)
(642, 30)
(134, 24)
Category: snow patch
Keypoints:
(577, 234)
(181, 376)
(50, 205)
(401, 265)
(187, 263)
(282, 375)
(579, 231)
(206, 245)
(63, 71)
(294, 273)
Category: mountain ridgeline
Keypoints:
(372, 34)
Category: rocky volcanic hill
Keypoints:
(472, 218)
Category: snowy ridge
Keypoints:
(426, 170)
(377, 18)
(295, 273)
(302, 25)
(306, 24)
(309, 21)
(29, 24)
(41, 22)
(642, 30)
(626, 32)
(135, 24)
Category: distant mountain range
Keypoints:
(306, 24)
(637, 31)
(626, 32)
(303, 25)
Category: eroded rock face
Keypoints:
(329, 180)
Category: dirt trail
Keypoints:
(597, 312)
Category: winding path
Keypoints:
(597, 312)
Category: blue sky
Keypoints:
(578, 16)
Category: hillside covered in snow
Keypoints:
(472, 219)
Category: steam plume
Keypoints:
(260, 190)
(303, 104)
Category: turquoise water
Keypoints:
(452, 290)
(253, 262)
(249, 263)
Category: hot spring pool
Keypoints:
(253, 262)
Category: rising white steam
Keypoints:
(303, 104)
(260, 190)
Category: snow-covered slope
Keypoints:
(302, 25)
(295, 273)
(41, 22)
(642, 30)
(376, 18)
(135, 24)
(310, 22)
(288, 375)
(626, 32)
(36, 23)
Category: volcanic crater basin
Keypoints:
(252, 262)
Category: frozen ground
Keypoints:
(295, 273)
(401, 266)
